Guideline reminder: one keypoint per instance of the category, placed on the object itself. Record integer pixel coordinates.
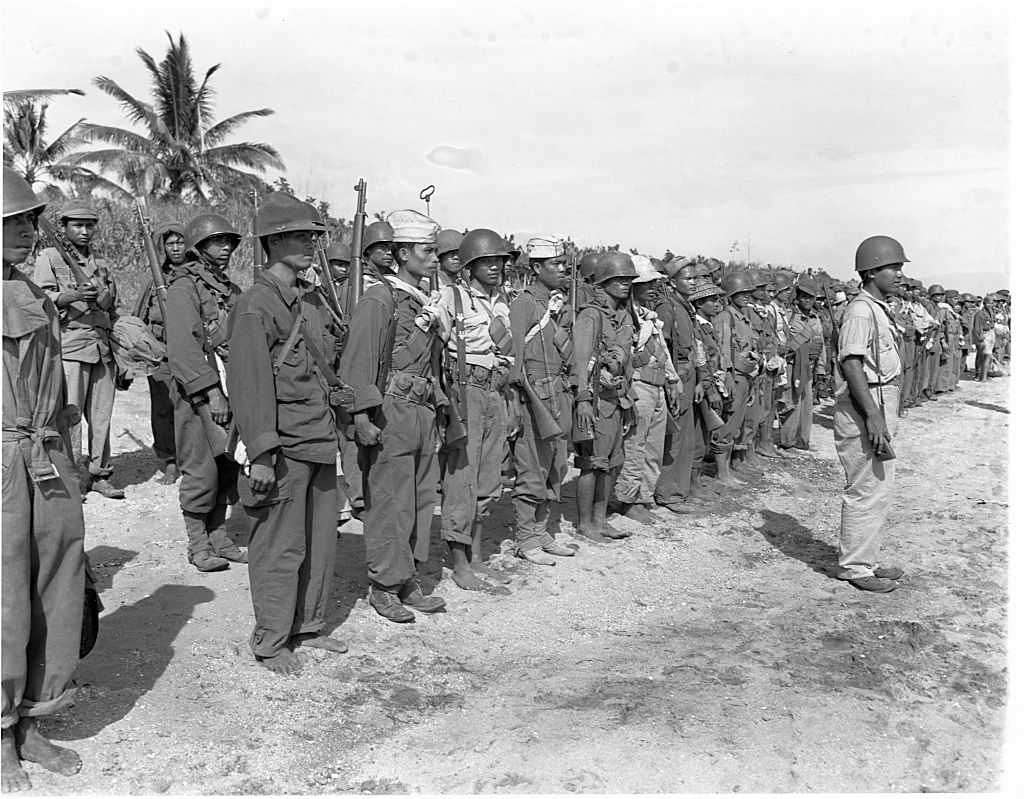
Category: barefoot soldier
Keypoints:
(865, 418)
(170, 249)
(280, 376)
(392, 362)
(43, 530)
(602, 347)
(474, 322)
(541, 353)
(200, 297)
(87, 315)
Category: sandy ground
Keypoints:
(711, 653)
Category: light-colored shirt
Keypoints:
(865, 323)
(479, 310)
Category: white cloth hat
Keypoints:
(412, 227)
(544, 247)
(645, 271)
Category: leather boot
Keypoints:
(200, 553)
(220, 541)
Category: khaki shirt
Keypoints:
(864, 316)
(479, 311)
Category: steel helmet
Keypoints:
(879, 251)
(206, 225)
(448, 241)
(282, 213)
(18, 195)
(613, 264)
(935, 289)
(783, 280)
(339, 251)
(377, 233)
(588, 263)
(762, 277)
(481, 243)
(735, 282)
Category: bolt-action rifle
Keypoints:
(355, 274)
(159, 282)
(81, 279)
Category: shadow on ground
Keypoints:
(795, 541)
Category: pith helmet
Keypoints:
(481, 243)
(735, 282)
(339, 251)
(448, 241)
(934, 289)
(377, 233)
(704, 289)
(206, 225)
(613, 264)
(588, 263)
(879, 251)
(282, 213)
(18, 195)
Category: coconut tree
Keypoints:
(182, 153)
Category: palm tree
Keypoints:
(26, 150)
(182, 155)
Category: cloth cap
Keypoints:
(840, 296)
(1004, 292)
(541, 247)
(412, 227)
(645, 271)
(704, 289)
(678, 264)
(809, 286)
(76, 209)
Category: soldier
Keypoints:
(585, 281)
(904, 323)
(87, 314)
(377, 257)
(983, 330)
(450, 272)
(655, 390)
(602, 344)
(805, 344)
(43, 531)
(948, 335)
(339, 258)
(865, 416)
(761, 305)
(680, 475)
(706, 299)
(474, 322)
(170, 249)
(741, 362)
(200, 296)
(391, 361)
(280, 374)
(541, 401)
(715, 269)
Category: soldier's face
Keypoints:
(784, 296)
(217, 250)
(487, 271)
(646, 293)
(888, 277)
(380, 256)
(708, 307)
(741, 298)
(550, 272)
(339, 269)
(80, 232)
(804, 302)
(19, 236)
(450, 263)
(420, 260)
(686, 281)
(618, 287)
(174, 248)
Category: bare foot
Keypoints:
(34, 748)
(284, 662)
(467, 581)
(490, 573)
(12, 775)
(318, 641)
(591, 532)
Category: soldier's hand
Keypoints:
(878, 434)
(367, 433)
(698, 393)
(219, 410)
(585, 417)
(262, 478)
(67, 297)
(89, 291)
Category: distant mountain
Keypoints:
(974, 282)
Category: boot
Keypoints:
(105, 488)
(200, 552)
(220, 541)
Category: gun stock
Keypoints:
(257, 249)
(355, 275)
(711, 419)
(547, 426)
(159, 283)
(330, 290)
(573, 287)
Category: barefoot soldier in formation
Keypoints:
(43, 530)
(200, 296)
(285, 394)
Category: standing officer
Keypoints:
(866, 416)
(541, 401)
(450, 273)
(392, 362)
(680, 473)
(87, 314)
(170, 250)
(280, 374)
(602, 347)
(43, 554)
(200, 297)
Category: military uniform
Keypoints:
(806, 343)
(741, 364)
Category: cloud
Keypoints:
(455, 157)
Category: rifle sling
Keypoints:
(460, 343)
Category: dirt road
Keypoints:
(712, 653)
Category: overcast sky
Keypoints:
(806, 126)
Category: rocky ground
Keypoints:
(710, 653)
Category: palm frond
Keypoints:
(34, 95)
(226, 127)
(251, 155)
(136, 110)
(65, 142)
(119, 137)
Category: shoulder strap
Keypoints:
(289, 342)
(384, 364)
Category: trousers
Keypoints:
(292, 550)
(540, 468)
(207, 478)
(399, 492)
(161, 413)
(472, 473)
(869, 484)
(795, 426)
(644, 446)
(91, 390)
(43, 584)
(677, 460)
(734, 411)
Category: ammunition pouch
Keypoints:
(413, 388)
